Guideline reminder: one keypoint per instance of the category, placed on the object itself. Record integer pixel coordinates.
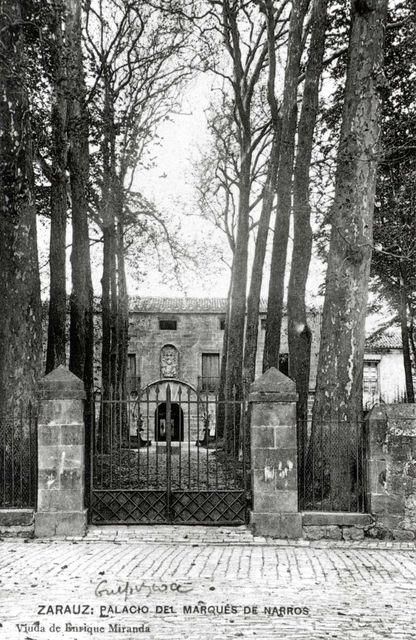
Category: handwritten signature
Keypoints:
(128, 589)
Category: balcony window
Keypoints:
(132, 379)
(210, 372)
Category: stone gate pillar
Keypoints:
(274, 456)
(61, 452)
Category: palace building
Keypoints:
(182, 338)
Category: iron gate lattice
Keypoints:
(18, 457)
(170, 455)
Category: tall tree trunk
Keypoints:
(123, 316)
(412, 334)
(284, 187)
(105, 339)
(20, 325)
(107, 280)
(55, 354)
(81, 302)
(107, 252)
(123, 313)
(340, 364)
(407, 361)
(122, 295)
(222, 396)
(81, 332)
(235, 349)
(299, 333)
(114, 312)
(253, 301)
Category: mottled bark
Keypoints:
(339, 380)
(299, 333)
(55, 354)
(284, 187)
(81, 301)
(20, 325)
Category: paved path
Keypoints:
(197, 583)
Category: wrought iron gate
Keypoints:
(170, 455)
(18, 457)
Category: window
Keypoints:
(222, 323)
(167, 325)
(210, 372)
(370, 378)
(284, 363)
(370, 384)
(131, 365)
(132, 379)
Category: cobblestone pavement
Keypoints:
(196, 583)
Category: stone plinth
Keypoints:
(61, 451)
(274, 456)
(391, 469)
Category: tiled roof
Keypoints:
(389, 338)
(183, 305)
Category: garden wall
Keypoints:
(391, 471)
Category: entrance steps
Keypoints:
(161, 534)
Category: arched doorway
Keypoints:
(176, 422)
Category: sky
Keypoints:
(170, 185)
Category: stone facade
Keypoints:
(17, 523)
(391, 470)
(274, 457)
(199, 330)
(332, 525)
(61, 456)
(198, 334)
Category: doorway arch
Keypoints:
(176, 421)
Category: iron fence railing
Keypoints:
(172, 454)
(18, 457)
(208, 384)
(332, 466)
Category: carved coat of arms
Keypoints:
(169, 362)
